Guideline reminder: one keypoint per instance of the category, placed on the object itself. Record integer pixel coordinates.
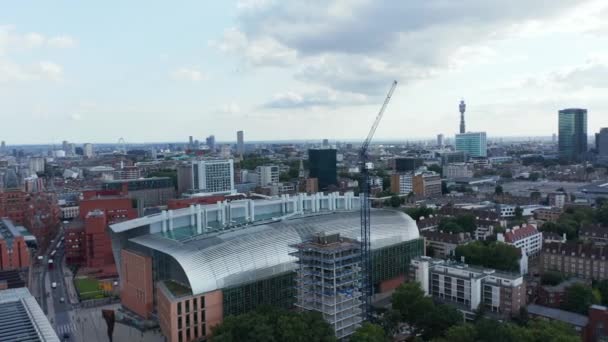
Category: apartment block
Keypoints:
(526, 237)
(585, 261)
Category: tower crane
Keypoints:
(365, 166)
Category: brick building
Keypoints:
(572, 259)
(554, 296)
(14, 253)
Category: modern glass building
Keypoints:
(473, 143)
(322, 165)
(572, 131)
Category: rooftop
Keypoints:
(22, 319)
(558, 315)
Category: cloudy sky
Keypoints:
(161, 71)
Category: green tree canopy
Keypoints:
(272, 324)
(369, 332)
(458, 224)
(579, 298)
(495, 255)
(498, 190)
(395, 201)
(417, 213)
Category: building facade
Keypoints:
(14, 253)
(572, 259)
(572, 134)
(240, 143)
(473, 143)
(526, 237)
(267, 175)
(149, 192)
(458, 170)
(322, 166)
(213, 176)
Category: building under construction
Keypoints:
(329, 281)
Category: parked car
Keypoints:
(53, 285)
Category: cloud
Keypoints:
(188, 74)
(323, 98)
(62, 42)
(12, 40)
(230, 108)
(76, 117)
(360, 46)
(11, 72)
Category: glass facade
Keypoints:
(572, 133)
(322, 165)
(392, 261)
(474, 144)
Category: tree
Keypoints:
(272, 324)
(579, 298)
(417, 213)
(436, 168)
(390, 321)
(534, 176)
(166, 173)
(436, 322)
(498, 190)
(369, 332)
(395, 201)
(551, 278)
(495, 255)
(458, 224)
(602, 287)
(519, 213)
(410, 302)
(461, 333)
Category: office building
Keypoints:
(402, 183)
(322, 166)
(240, 143)
(14, 253)
(440, 140)
(329, 280)
(572, 134)
(22, 319)
(473, 143)
(526, 237)
(87, 150)
(601, 142)
(468, 288)
(207, 176)
(36, 165)
(190, 142)
(325, 143)
(458, 170)
(453, 157)
(442, 245)
(211, 261)
(405, 164)
(267, 175)
(210, 142)
(426, 184)
(585, 261)
(461, 108)
(149, 192)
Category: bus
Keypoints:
(53, 253)
(50, 264)
(59, 245)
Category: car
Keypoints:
(66, 336)
(54, 285)
(61, 300)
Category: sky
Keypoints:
(152, 71)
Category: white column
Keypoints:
(199, 224)
(170, 219)
(164, 221)
(205, 218)
(192, 215)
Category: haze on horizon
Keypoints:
(286, 70)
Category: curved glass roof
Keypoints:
(236, 257)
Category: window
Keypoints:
(179, 323)
(194, 307)
(187, 306)
(187, 320)
(179, 308)
(195, 318)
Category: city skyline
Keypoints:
(72, 80)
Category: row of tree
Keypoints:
(493, 254)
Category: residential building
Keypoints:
(458, 170)
(557, 199)
(594, 233)
(402, 183)
(312, 185)
(526, 237)
(267, 175)
(329, 280)
(572, 134)
(554, 296)
(14, 253)
(473, 143)
(572, 259)
(210, 176)
(468, 288)
(322, 166)
(185, 267)
(547, 214)
(442, 245)
(596, 329)
(240, 143)
(22, 319)
(149, 192)
(577, 321)
(426, 184)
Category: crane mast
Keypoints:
(366, 257)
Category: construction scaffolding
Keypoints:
(329, 281)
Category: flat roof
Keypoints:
(22, 319)
(558, 315)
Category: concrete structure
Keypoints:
(322, 165)
(212, 176)
(572, 145)
(127, 172)
(557, 199)
(461, 108)
(443, 244)
(473, 143)
(240, 143)
(526, 237)
(400, 165)
(14, 253)
(150, 192)
(22, 319)
(87, 150)
(402, 183)
(575, 260)
(458, 170)
(237, 256)
(329, 279)
(267, 175)
(36, 165)
(466, 287)
(426, 184)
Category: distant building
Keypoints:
(443, 244)
(462, 108)
(453, 157)
(468, 288)
(150, 192)
(402, 183)
(573, 259)
(210, 142)
(472, 143)
(557, 199)
(267, 175)
(240, 143)
(322, 165)
(127, 172)
(548, 215)
(36, 165)
(440, 140)
(22, 319)
(87, 150)
(526, 237)
(426, 184)
(594, 233)
(14, 253)
(572, 134)
(601, 142)
(458, 170)
(212, 176)
(312, 185)
(406, 164)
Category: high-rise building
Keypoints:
(322, 165)
(65, 146)
(472, 143)
(190, 141)
(601, 142)
(267, 175)
(325, 143)
(210, 141)
(36, 165)
(572, 134)
(213, 176)
(87, 150)
(405, 164)
(461, 108)
(440, 140)
(3, 146)
(240, 143)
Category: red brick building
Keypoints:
(14, 253)
(12, 205)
